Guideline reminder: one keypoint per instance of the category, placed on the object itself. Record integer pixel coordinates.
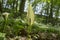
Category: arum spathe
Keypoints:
(30, 15)
(5, 15)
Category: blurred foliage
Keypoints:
(31, 25)
(2, 36)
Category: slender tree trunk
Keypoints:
(41, 11)
(13, 4)
(47, 12)
(16, 5)
(51, 11)
(57, 14)
(21, 8)
(0, 7)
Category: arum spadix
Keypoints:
(30, 15)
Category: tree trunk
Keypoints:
(47, 11)
(13, 4)
(0, 7)
(1, 4)
(16, 5)
(21, 8)
(57, 14)
(51, 12)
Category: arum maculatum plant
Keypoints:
(30, 17)
(5, 16)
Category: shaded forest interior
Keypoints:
(30, 19)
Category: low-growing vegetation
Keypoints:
(16, 24)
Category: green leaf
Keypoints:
(2, 34)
